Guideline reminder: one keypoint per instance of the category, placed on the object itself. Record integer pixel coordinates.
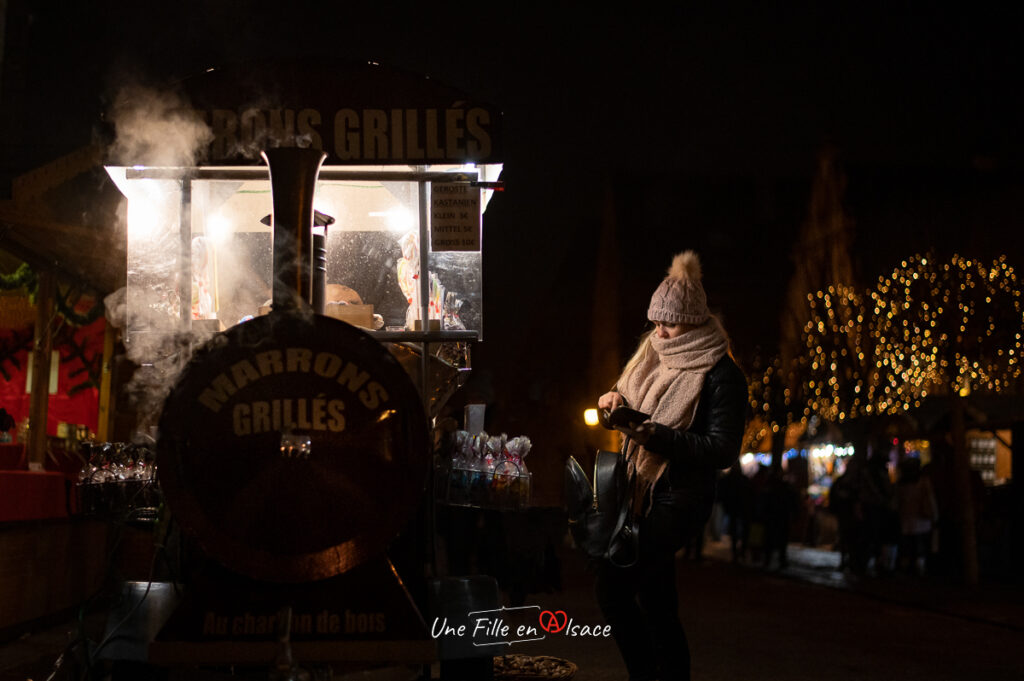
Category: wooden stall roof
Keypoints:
(983, 411)
(64, 216)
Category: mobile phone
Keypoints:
(622, 417)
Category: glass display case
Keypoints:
(200, 245)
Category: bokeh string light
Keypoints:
(928, 328)
(763, 389)
(839, 376)
(958, 329)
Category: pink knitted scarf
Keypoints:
(667, 385)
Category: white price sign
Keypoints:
(454, 217)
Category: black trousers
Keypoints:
(640, 602)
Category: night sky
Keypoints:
(683, 128)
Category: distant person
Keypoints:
(694, 548)
(844, 503)
(881, 521)
(736, 493)
(682, 376)
(6, 424)
(756, 534)
(919, 511)
(779, 503)
(946, 543)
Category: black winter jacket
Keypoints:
(711, 443)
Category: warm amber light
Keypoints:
(590, 417)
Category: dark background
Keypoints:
(675, 128)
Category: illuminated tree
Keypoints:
(839, 379)
(762, 390)
(946, 329)
(926, 329)
(839, 375)
(772, 405)
(821, 258)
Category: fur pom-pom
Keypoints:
(685, 266)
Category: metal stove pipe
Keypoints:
(293, 175)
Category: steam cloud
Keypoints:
(156, 128)
(158, 344)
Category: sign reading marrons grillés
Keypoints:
(357, 114)
(434, 135)
(288, 415)
(293, 448)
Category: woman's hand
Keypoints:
(641, 434)
(610, 400)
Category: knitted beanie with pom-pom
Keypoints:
(680, 298)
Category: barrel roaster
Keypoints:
(294, 449)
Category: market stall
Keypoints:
(302, 302)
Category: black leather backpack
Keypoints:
(600, 513)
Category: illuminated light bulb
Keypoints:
(399, 219)
(218, 228)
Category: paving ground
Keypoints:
(809, 621)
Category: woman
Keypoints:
(683, 376)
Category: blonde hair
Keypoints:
(640, 355)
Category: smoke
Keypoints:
(153, 127)
(116, 309)
(156, 128)
(158, 343)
